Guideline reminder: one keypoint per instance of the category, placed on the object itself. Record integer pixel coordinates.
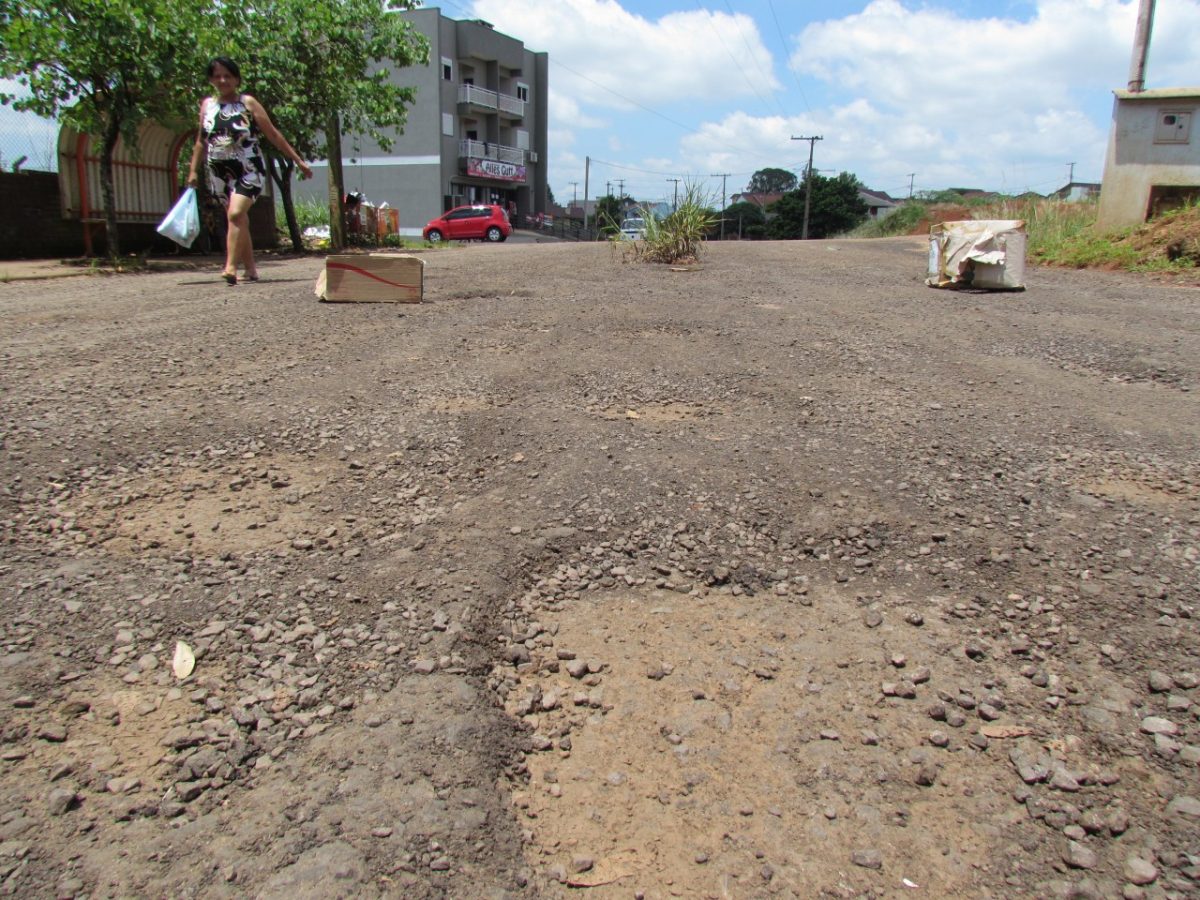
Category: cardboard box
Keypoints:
(978, 253)
(373, 278)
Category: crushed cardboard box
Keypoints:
(984, 254)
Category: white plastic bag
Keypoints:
(182, 223)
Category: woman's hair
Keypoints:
(227, 63)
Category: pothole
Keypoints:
(694, 748)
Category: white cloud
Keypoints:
(1003, 101)
(566, 112)
(955, 97)
(934, 63)
(611, 57)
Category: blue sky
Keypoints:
(999, 95)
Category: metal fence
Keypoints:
(27, 142)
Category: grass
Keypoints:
(309, 214)
(1064, 234)
(904, 220)
(678, 237)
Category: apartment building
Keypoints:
(476, 132)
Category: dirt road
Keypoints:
(787, 576)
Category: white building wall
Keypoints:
(1144, 154)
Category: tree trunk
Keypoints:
(112, 132)
(281, 174)
(337, 193)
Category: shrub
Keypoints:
(678, 237)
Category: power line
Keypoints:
(783, 43)
(750, 52)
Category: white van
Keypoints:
(633, 229)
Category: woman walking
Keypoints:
(230, 124)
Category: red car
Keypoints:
(481, 222)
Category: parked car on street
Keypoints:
(479, 222)
(633, 228)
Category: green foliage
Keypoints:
(772, 181)
(304, 58)
(835, 208)
(309, 214)
(96, 64)
(902, 220)
(1056, 230)
(680, 236)
(105, 67)
(310, 60)
(750, 217)
(609, 213)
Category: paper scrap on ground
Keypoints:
(184, 662)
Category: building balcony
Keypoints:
(487, 160)
(473, 98)
(485, 150)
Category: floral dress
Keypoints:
(235, 163)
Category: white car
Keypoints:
(633, 229)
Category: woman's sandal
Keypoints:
(230, 280)
(251, 278)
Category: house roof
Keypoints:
(757, 198)
(1180, 93)
(877, 199)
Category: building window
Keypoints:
(522, 92)
(447, 69)
(448, 124)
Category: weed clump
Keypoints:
(679, 237)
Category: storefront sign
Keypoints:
(490, 168)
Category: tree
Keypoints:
(835, 208)
(609, 213)
(746, 219)
(323, 68)
(771, 181)
(106, 66)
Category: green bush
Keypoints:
(309, 214)
(905, 218)
(678, 237)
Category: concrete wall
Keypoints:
(1137, 163)
(32, 225)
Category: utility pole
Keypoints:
(1141, 47)
(621, 188)
(808, 180)
(608, 189)
(1070, 173)
(722, 176)
(911, 176)
(574, 192)
(675, 202)
(587, 172)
